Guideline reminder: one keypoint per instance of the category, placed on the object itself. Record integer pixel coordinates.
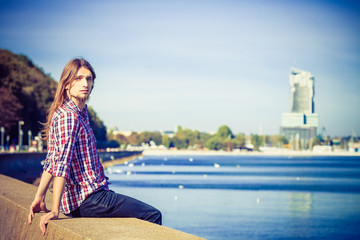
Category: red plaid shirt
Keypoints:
(72, 154)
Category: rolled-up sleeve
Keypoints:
(65, 130)
(47, 164)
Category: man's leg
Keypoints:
(111, 204)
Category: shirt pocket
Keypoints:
(86, 137)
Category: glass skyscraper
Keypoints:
(300, 124)
(301, 91)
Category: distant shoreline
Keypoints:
(118, 161)
(239, 153)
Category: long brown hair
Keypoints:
(67, 77)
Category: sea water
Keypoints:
(248, 197)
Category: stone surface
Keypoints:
(15, 200)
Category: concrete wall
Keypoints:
(15, 200)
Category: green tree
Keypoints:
(239, 140)
(221, 140)
(97, 126)
(33, 91)
(204, 137)
(278, 140)
(134, 139)
(185, 138)
(225, 132)
(316, 141)
(121, 139)
(166, 141)
(215, 143)
(147, 137)
(257, 141)
(179, 143)
(10, 109)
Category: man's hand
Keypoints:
(45, 220)
(37, 206)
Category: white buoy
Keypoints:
(191, 159)
(131, 165)
(181, 186)
(128, 173)
(216, 165)
(205, 175)
(258, 200)
(143, 164)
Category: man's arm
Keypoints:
(58, 189)
(65, 129)
(38, 204)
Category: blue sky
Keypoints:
(198, 64)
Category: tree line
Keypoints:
(185, 138)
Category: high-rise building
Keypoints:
(300, 124)
(301, 91)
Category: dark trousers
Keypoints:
(110, 204)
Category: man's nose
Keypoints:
(84, 83)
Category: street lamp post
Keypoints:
(7, 141)
(2, 138)
(40, 143)
(20, 134)
(29, 139)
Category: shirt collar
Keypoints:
(72, 105)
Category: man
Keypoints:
(80, 186)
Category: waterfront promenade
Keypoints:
(16, 197)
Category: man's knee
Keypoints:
(158, 217)
(155, 216)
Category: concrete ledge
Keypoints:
(16, 197)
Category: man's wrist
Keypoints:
(40, 197)
(56, 213)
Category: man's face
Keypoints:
(80, 88)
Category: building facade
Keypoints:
(301, 91)
(299, 126)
